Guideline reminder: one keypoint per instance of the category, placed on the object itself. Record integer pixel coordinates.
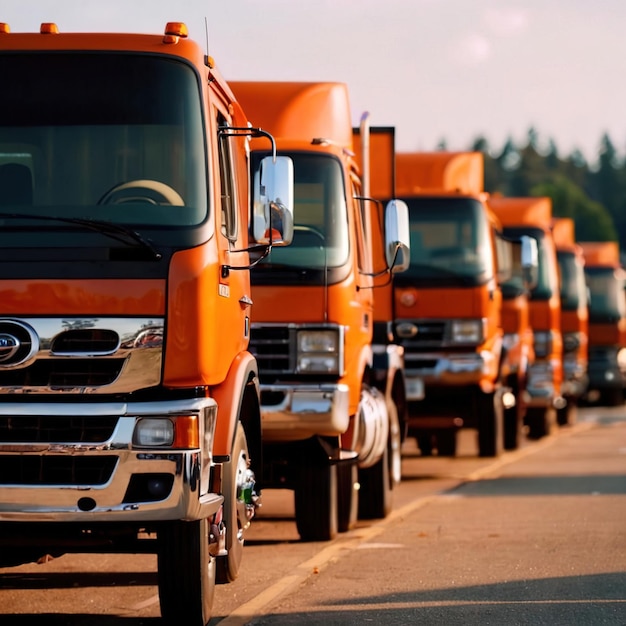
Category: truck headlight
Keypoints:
(318, 351)
(151, 432)
(180, 431)
(467, 331)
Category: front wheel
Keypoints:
(566, 416)
(540, 421)
(186, 572)
(238, 491)
(316, 501)
(348, 494)
(512, 427)
(490, 418)
(375, 491)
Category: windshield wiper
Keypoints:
(110, 229)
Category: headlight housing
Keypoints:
(467, 332)
(318, 351)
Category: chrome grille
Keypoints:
(56, 429)
(272, 347)
(85, 355)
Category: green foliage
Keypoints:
(594, 196)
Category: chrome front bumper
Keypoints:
(303, 411)
(33, 497)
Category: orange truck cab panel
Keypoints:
(533, 217)
(605, 280)
(314, 316)
(574, 315)
(448, 304)
(128, 398)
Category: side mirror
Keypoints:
(397, 236)
(505, 249)
(530, 261)
(273, 202)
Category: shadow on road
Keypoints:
(571, 601)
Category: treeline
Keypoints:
(593, 194)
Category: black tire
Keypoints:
(425, 444)
(316, 501)
(513, 423)
(375, 493)
(490, 426)
(446, 443)
(348, 495)
(567, 415)
(186, 572)
(539, 421)
(236, 475)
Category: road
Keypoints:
(535, 537)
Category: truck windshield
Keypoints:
(101, 135)
(573, 288)
(320, 238)
(606, 290)
(450, 241)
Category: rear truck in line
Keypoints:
(574, 317)
(605, 279)
(518, 352)
(129, 401)
(532, 216)
(325, 423)
(448, 305)
(388, 356)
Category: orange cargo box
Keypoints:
(534, 211)
(423, 172)
(601, 253)
(382, 174)
(298, 110)
(563, 231)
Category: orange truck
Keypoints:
(325, 423)
(129, 401)
(532, 216)
(574, 317)
(605, 280)
(448, 304)
(519, 353)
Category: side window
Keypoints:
(362, 229)
(227, 182)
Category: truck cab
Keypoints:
(574, 317)
(532, 217)
(448, 304)
(605, 279)
(129, 403)
(325, 424)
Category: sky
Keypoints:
(436, 70)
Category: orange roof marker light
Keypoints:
(174, 30)
(49, 28)
(4, 28)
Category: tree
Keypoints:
(592, 220)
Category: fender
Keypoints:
(229, 396)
